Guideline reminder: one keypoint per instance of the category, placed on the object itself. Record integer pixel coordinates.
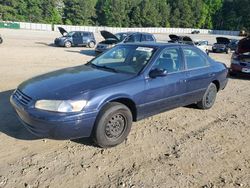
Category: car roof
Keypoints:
(82, 31)
(154, 44)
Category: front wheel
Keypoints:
(91, 44)
(112, 125)
(208, 98)
(67, 44)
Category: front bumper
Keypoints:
(55, 125)
(237, 68)
(218, 49)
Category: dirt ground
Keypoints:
(185, 147)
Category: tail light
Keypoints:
(235, 59)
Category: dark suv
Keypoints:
(75, 38)
(125, 37)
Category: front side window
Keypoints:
(126, 59)
(134, 38)
(194, 58)
(170, 60)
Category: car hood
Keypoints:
(108, 35)
(62, 31)
(222, 40)
(174, 37)
(244, 45)
(70, 82)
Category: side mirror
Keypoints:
(158, 73)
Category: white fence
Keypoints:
(145, 29)
(96, 29)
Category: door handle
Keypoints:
(183, 81)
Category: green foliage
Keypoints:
(211, 14)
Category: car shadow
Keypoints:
(91, 53)
(46, 44)
(85, 141)
(240, 77)
(10, 125)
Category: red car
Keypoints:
(240, 61)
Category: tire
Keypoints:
(67, 44)
(91, 44)
(1, 40)
(112, 125)
(209, 97)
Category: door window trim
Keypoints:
(208, 64)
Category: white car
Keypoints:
(203, 45)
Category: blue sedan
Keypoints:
(130, 82)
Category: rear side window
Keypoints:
(84, 34)
(147, 38)
(194, 58)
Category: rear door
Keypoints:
(163, 93)
(85, 37)
(77, 39)
(199, 74)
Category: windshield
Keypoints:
(121, 36)
(70, 34)
(124, 59)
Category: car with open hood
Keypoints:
(75, 38)
(221, 45)
(201, 44)
(124, 37)
(127, 83)
(240, 61)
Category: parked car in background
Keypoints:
(125, 37)
(75, 38)
(233, 44)
(1, 39)
(222, 45)
(127, 83)
(240, 61)
(195, 32)
(201, 44)
(180, 39)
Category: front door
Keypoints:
(163, 93)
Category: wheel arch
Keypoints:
(217, 84)
(125, 100)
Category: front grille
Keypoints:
(243, 64)
(21, 97)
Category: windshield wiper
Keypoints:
(103, 67)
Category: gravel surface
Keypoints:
(185, 147)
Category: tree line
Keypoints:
(209, 14)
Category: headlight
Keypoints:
(61, 105)
(110, 45)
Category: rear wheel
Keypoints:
(112, 125)
(208, 98)
(67, 44)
